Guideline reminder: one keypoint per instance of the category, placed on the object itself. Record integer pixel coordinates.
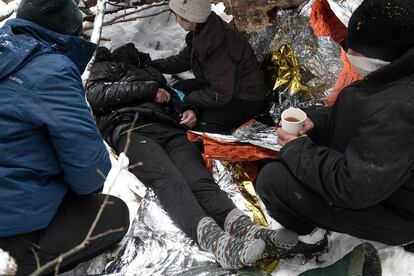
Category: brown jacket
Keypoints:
(223, 57)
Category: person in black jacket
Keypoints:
(128, 96)
(355, 172)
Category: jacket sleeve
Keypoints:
(374, 165)
(320, 116)
(175, 64)
(108, 90)
(220, 73)
(72, 130)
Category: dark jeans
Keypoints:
(173, 168)
(224, 119)
(67, 229)
(300, 209)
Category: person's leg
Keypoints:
(228, 118)
(273, 179)
(159, 173)
(300, 209)
(68, 229)
(188, 161)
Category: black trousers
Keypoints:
(173, 167)
(300, 209)
(67, 229)
(224, 119)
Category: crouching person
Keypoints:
(122, 87)
(50, 146)
(228, 88)
(355, 172)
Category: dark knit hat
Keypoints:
(382, 29)
(61, 16)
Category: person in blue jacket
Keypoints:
(51, 150)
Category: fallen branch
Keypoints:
(96, 35)
(122, 18)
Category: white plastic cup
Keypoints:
(293, 120)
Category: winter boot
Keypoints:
(363, 260)
(280, 243)
(230, 252)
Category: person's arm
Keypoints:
(107, 92)
(220, 73)
(374, 165)
(71, 129)
(320, 117)
(177, 63)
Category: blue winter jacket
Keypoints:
(48, 139)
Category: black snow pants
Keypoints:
(300, 209)
(174, 169)
(67, 229)
(224, 119)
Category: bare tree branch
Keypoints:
(128, 141)
(36, 258)
(136, 165)
(122, 18)
(57, 261)
(140, 17)
(106, 233)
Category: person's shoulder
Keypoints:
(46, 67)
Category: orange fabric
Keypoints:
(232, 152)
(324, 22)
(347, 76)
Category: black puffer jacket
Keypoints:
(221, 56)
(368, 138)
(121, 85)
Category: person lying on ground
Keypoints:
(122, 87)
(352, 168)
(51, 150)
(228, 88)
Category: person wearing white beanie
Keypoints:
(229, 88)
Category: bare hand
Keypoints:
(306, 127)
(188, 119)
(162, 96)
(284, 137)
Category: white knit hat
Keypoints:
(196, 11)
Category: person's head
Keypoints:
(379, 32)
(189, 13)
(382, 29)
(61, 16)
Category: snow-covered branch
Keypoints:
(96, 34)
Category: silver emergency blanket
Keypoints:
(154, 245)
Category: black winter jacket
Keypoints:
(223, 57)
(362, 152)
(121, 84)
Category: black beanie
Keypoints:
(382, 29)
(61, 16)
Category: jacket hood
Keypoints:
(22, 40)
